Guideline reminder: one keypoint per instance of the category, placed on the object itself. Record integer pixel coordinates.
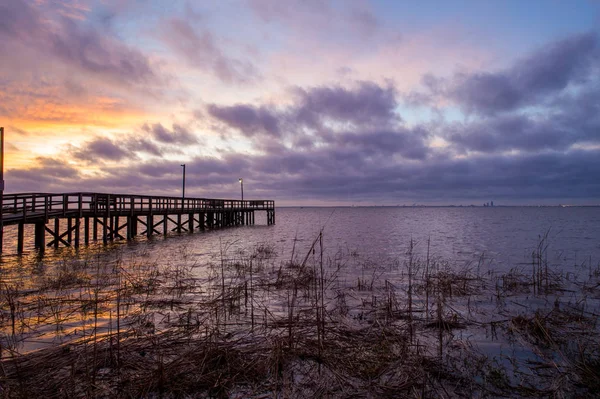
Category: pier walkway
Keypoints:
(72, 218)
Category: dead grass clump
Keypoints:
(515, 281)
(294, 275)
(453, 284)
(534, 327)
(237, 328)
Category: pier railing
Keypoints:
(23, 206)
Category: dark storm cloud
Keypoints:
(201, 50)
(87, 49)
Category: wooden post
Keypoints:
(20, 237)
(77, 226)
(40, 235)
(129, 230)
(56, 232)
(149, 225)
(111, 227)
(179, 222)
(95, 228)
(69, 231)
(165, 224)
(104, 230)
(150, 220)
(107, 217)
(134, 226)
(86, 230)
(190, 222)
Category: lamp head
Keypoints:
(241, 180)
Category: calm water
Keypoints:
(497, 239)
(503, 236)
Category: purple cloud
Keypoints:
(49, 174)
(319, 20)
(549, 70)
(99, 149)
(367, 104)
(179, 135)
(65, 40)
(201, 50)
(249, 120)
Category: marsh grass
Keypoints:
(311, 326)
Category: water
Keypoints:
(502, 236)
(481, 258)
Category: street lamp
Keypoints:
(242, 187)
(183, 191)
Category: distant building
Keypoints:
(492, 203)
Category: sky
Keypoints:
(311, 102)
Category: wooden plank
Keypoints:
(37, 208)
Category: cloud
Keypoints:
(409, 143)
(248, 119)
(202, 51)
(367, 105)
(526, 133)
(548, 71)
(100, 149)
(568, 120)
(139, 145)
(159, 142)
(328, 173)
(319, 19)
(64, 39)
(179, 134)
(47, 175)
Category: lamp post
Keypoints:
(183, 191)
(242, 187)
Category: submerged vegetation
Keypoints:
(249, 325)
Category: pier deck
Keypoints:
(119, 216)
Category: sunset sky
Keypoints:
(312, 102)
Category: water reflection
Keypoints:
(505, 236)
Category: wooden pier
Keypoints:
(72, 219)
